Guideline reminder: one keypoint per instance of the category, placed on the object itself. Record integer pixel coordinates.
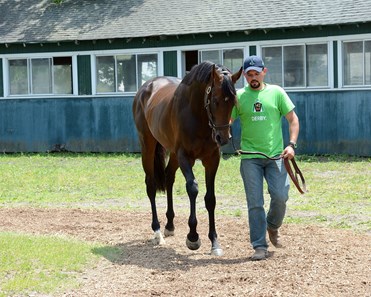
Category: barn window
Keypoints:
(62, 75)
(124, 73)
(18, 77)
(230, 58)
(297, 66)
(40, 76)
(357, 63)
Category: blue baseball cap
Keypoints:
(253, 63)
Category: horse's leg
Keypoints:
(211, 165)
(148, 155)
(171, 169)
(193, 241)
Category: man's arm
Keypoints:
(294, 128)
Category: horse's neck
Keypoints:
(197, 102)
(197, 97)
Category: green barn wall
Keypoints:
(336, 122)
(73, 124)
(335, 62)
(331, 121)
(1, 79)
(252, 50)
(83, 76)
(330, 124)
(170, 63)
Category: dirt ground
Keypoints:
(316, 261)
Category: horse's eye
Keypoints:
(226, 99)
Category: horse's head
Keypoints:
(220, 97)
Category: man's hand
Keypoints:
(288, 152)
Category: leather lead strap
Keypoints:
(294, 177)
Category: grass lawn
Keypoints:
(338, 196)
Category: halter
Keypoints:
(207, 102)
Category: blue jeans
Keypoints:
(253, 171)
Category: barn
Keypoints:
(69, 69)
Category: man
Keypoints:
(260, 109)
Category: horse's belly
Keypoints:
(163, 134)
(159, 122)
(158, 111)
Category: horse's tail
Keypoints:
(160, 177)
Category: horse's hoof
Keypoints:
(217, 252)
(168, 233)
(158, 239)
(193, 245)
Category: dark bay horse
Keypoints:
(187, 119)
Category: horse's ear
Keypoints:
(236, 76)
(216, 75)
(213, 74)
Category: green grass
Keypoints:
(339, 192)
(339, 188)
(48, 179)
(44, 264)
(339, 196)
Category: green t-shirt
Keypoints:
(260, 114)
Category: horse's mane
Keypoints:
(202, 72)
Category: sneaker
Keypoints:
(274, 237)
(259, 254)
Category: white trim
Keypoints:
(38, 55)
(330, 65)
(196, 47)
(28, 57)
(354, 37)
(291, 90)
(93, 56)
(340, 64)
(295, 41)
(348, 38)
(5, 78)
(304, 42)
(93, 71)
(134, 51)
(245, 45)
(179, 63)
(160, 63)
(75, 84)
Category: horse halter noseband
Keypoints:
(207, 102)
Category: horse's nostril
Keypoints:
(224, 142)
(220, 140)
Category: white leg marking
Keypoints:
(217, 252)
(158, 239)
(168, 233)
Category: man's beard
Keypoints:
(254, 84)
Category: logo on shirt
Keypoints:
(258, 107)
